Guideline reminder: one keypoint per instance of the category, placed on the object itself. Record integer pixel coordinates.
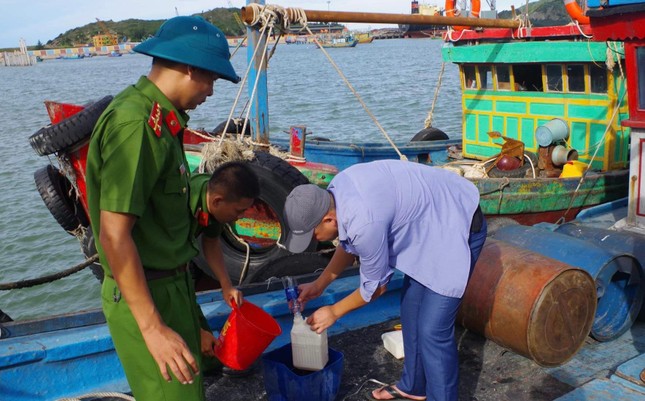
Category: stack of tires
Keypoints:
(57, 185)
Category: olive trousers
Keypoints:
(175, 301)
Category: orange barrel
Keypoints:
(538, 307)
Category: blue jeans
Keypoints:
(431, 364)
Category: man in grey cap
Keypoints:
(138, 197)
(425, 222)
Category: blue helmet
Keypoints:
(192, 41)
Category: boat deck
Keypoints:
(488, 372)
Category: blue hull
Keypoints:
(345, 154)
(71, 355)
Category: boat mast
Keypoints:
(259, 117)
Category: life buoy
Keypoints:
(475, 7)
(575, 12)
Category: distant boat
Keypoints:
(115, 53)
(342, 41)
(364, 37)
(422, 31)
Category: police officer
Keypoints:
(217, 199)
(138, 198)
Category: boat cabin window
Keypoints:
(598, 76)
(470, 79)
(576, 77)
(554, 77)
(503, 75)
(528, 77)
(485, 77)
(640, 63)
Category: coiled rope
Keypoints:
(276, 13)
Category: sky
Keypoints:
(44, 20)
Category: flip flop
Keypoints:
(392, 391)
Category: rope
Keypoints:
(428, 122)
(48, 278)
(245, 266)
(358, 97)
(92, 396)
(577, 24)
(562, 219)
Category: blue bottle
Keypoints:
(291, 291)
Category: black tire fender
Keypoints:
(61, 198)
(70, 132)
(429, 134)
(277, 179)
(235, 126)
(88, 247)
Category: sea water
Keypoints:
(396, 78)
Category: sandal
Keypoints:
(392, 391)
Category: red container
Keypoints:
(248, 331)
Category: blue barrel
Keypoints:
(283, 382)
(614, 241)
(619, 282)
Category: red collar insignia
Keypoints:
(173, 123)
(154, 120)
(202, 217)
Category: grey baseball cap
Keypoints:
(304, 209)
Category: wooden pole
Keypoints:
(381, 18)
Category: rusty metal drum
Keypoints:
(534, 305)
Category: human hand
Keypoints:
(169, 350)
(322, 319)
(307, 292)
(208, 343)
(232, 293)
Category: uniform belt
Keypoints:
(155, 274)
(478, 221)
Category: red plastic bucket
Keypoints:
(245, 335)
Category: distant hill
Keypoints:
(541, 13)
(136, 30)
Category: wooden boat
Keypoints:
(338, 41)
(364, 37)
(34, 353)
(516, 88)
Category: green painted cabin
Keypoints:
(514, 87)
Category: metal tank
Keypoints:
(618, 275)
(615, 241)
(539, 307)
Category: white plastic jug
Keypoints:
(310, 350)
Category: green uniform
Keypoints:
(203, 223)
(136, 165)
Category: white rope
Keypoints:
(577, 24)
(428, 122)
(584, 174)
(358, 97)
(247, 259)
(99, 395)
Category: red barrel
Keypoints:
(538, 307)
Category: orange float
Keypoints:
(475, 7)
(574, 11)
